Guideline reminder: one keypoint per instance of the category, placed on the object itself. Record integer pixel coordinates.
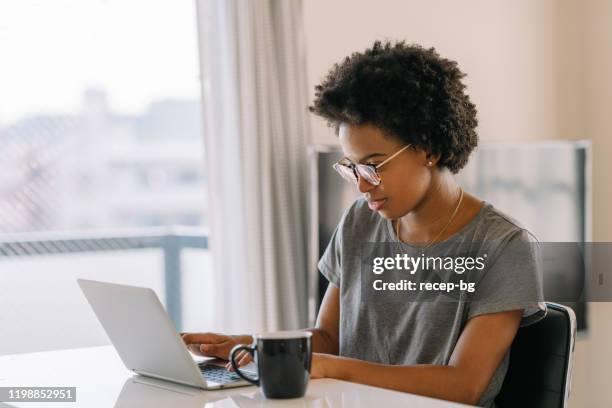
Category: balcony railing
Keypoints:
(171, 241)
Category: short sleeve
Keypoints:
(330, 263)
(513, 281)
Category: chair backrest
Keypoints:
(541, 358)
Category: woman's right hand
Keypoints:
(213, 344)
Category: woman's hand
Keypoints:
(213, 344)
(243, 358)
(318, 368)
(320, 364)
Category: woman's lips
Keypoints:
(376, 205)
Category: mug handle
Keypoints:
(251, 351)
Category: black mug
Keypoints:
(283, 363)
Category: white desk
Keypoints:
(103, 381)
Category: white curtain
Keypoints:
(256, 130)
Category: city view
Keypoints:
(100, 169)
(101, 140)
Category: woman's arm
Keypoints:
(477, 354)
(325, 338)
(324, 334)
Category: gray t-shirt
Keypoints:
(409, 333)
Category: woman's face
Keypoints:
(405, 179)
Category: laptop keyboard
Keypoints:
(217, 374)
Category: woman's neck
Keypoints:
(433, 212)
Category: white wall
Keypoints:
(537, 69)
(519, 74)
(595, 353)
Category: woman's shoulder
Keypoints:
(358, 217)
(494, 224)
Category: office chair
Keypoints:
(541, 358)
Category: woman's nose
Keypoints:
(363, 186)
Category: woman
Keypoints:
(405, 126)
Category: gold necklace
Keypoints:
(452, 217)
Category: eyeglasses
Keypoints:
(369, 172)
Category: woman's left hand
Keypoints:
(318, 367)
(320, 362)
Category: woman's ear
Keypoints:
(431, 159)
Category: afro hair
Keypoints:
(408, 92)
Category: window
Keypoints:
(100, 138)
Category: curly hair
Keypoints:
(406, 91)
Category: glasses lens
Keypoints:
(346, 172)
(368, 173)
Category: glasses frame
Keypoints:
(370, 170)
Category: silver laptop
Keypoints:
(146, 340)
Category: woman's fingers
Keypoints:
(204, 338)
(242, 358)
(246, 359)
(213, 344)
(215, 350)
(208, 344)
(238, 357)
